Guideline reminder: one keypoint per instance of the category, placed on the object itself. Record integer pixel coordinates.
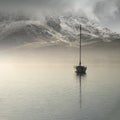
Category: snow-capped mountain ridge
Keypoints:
(57, 29)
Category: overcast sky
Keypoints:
(106, 11)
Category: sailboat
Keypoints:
(80, 69)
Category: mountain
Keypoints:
(68, 27)
(21, 31)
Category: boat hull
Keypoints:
(81, 69)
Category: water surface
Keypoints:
(47, 88)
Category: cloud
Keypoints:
(41, 4)
(108, 12)
(42, 7)
(46, 5)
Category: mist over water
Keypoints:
(42, 85)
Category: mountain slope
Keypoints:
(54, 30)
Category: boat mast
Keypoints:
(80, 47)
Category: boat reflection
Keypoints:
(80, 77)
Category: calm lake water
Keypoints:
(47, 88)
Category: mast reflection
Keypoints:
(80, 77)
